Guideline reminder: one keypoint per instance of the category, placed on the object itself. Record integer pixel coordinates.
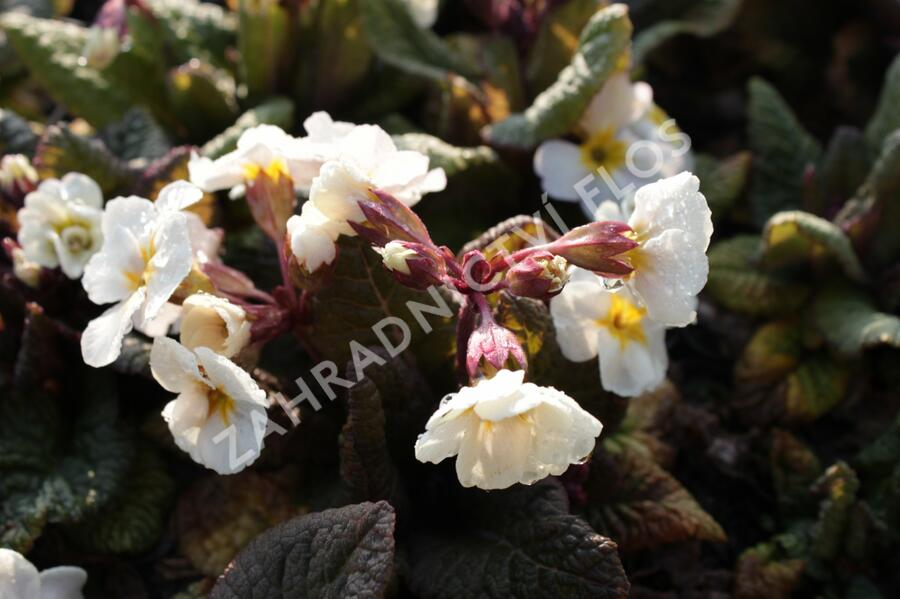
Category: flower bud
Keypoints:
(540, 275)
(17, 178)
(214, 322)
(496, 345)
(101, 46)
(24, 269)
(478, 275)
(387, 219)
(413, 264)
(595, 246)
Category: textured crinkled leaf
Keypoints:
(555, 111)
(849, 320)
(642, 429)
(886, 118)
(883, 453)
(557, 41)
(397, 40)
(840, 485)
(275, 111)
(336, 553)
(195, 29)
(782, 151)
(702, 18)
(796, 236)
(16, 135)
(761, 574)
(219, 515)
(640, 505)
(62, 151)
(794, 469)
(452, 159)
(37, 366)
(737, 283)
(722, 181)
(844, 168)
(51, 50)
(136, 136)
(135, 517)
(522, 543)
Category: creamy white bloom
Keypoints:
(368, 160)
(16, 170)
(219, 417)
(672, 224)
(625, 136)
(146, 254)
(593, 322)
(394, 256)
(424, 12)
(19, 579)
(60, 223)
(504, 431)
(313, 238)
(214, 322)
(101, 46)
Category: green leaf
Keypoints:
(840, 485)
(51, 472)
(702, 18)
(555, 111)
(873, 216)
(522, 543)
(557, 41)
(763, 573)
(263, 42)
(887, 115)
(782, 151)
(795, 468)
(195, 29)
(795, 236)
(136, 136)
(850, 322)
(219, 515)
(202, 98)
(62, 151)
(844, 168)
(722, 181)
(452, 159)
(642, 429)
(275, 111)
(135, 518)
(397, 40)
(343, 552)
(51, 50)
(641, 506)
(16, 135)
(737, 283)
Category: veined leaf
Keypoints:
(136, 136)
(62, 151)
(16, 135)
(702, 18)
(557, 41)
(451, 158)
(782, 151)
(887, 115)
(195, 29)
(850, 322)
(555, 111)
(722, 181)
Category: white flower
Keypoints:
(60, 223)
(594, 322)
(313, 238)
(101, 46)
(625, 136)
(16, 172)
(19, 579)
(394, 256)
(146, 254)
(672, 224)
(214, 322)
(264, 148)
(24, 269)
(219, 416)
(424, 12)
(504, 431)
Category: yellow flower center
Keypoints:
(139, 279)
(220, 403)
(274, 170)
(604, 150)
(623, 321)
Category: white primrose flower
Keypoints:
(672, 224)
(146, 254)
(504, 431)
(623, 134)
(16, 172)
(219, 417)
(60, 223)
(214, 322)
(313, 237)
(369, 159)
(19, 579)
(593, 322)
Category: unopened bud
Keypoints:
(478, 274)
(413, 264)
(101, 46)
(595, 247)
(540, 276)
(497, 346)
(17, 177)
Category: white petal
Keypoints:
(228, 448)
(214, 322)
(205, 242)
(424, 12)
(311, 243)
(18, 577)
(321, 128)
(497, 456)
(336, 191)
(673, 203)
(412, 192)
(264, 135)
(171, 262)
(101, 341)
(105, 275)
(178, 195)
(399, 168)
(565, 433)
(367, 146)
(443, 441)
(81, 189)
(612, 107)
(235, 381)
(62, 582)
(136, 215)
(159, 325)
(173, 365)
(509, 405)
(608, 210)
(558, 163)
(224, 173)
(633, 368)
(185, 415)
(575, 312)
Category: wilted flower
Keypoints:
(146, 254)
(214, 322)
(219, 416)
(17, 177)
(504, 431)
(19, 579)
(620, 125)
(591, 321)
(672, 226)
(60, 223)
(540, 275)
